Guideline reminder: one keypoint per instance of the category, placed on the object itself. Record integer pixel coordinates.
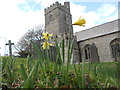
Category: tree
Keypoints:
(24, 46)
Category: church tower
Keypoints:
(58, 19)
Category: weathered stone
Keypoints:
(58, 20)
(101, 36)
(94, 54)
(76, 51)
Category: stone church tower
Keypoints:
(58, 21)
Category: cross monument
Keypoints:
(10, 47)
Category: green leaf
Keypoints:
(29, 63)
(29, 83)
(58, 52)
(23, 72)
(35, 72)
(4, 61)
(78, 75)
(63, 50)
(10, 76)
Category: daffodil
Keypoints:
(46, 45)
(81, 21)
(46, 36)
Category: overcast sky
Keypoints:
(18, 16)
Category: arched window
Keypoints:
(115, 48)
(91, 53)
(86, 54)
(87, 51)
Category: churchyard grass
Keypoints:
(44, 73)
(27, 73)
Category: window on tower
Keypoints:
(50, 17)
(64, 17)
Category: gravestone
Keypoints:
(94, 54)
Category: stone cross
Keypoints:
(10, 47)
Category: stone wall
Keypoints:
(101, 36)
(103, 45)
(58, 19)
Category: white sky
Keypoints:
(15, 21)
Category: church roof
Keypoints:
(100, 30)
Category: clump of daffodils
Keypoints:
(46, 44)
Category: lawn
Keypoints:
(30, 73)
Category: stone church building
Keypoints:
(97, 44)
(100, 43)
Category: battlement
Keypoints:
(64, 7)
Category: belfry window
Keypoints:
(50, 17)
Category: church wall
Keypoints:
(53, 27)
(102, 43)
(99, 30)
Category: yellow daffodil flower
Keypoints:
(46, 45)
(80, 22)
(46, 36)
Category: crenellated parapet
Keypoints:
(65, 7)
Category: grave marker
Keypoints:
(10, 47)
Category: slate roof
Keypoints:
(99, 30)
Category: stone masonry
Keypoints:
(101, 36)
(58, 21)
(93, 44)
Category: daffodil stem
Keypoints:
(47, 59)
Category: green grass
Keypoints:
(20, 72)
(43, 73)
